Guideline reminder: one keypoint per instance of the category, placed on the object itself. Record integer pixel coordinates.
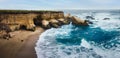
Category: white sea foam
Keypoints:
(47, 46)
(85, 44)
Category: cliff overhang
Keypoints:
(29, 19)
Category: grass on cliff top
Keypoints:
(26, 11)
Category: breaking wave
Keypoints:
(99, 40)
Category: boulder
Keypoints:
(61, 21)
(54, 23)
(89, 22)
(68, 16)
(31, 27)
(4, 34)
(77, 21)
(89, 17)
(4, 31)
(64, 21)
(5, 27)
(45, 24)
(106, 19)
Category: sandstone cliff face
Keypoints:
(16, 21)
(28, 20)
(52, 15)
(47, 19)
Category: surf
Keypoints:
(98, 40)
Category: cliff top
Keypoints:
(26, 11)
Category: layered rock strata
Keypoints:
(28, 20)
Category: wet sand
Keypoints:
(21, 45)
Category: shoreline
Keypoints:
(21, 45)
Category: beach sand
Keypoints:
(21, 45)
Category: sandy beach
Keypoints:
(21, 45)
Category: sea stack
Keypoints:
(76, 20)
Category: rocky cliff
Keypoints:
(28, 20)
(23, 19)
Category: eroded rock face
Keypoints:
(64, 21)
(29, 20)
(15, 21)
(54, 23)
(50, 20)
(45, 24)
(77, 21)
(46, 19)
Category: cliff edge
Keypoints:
(28, 20)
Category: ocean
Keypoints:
(98, 40)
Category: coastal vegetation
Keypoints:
(26, 11)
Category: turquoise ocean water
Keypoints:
(98, 40)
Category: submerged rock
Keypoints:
(89, 17)
(89, 22)
(106, 19)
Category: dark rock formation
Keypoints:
(78, 21)
(4, 31)
(89, 17)
(22, 19)
(17, 19)
(106, 19)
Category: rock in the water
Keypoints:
(89, 22)
(89, 17)
(106, 19)
(54, 25)
(77, 21)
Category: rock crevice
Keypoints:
(28, 20)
